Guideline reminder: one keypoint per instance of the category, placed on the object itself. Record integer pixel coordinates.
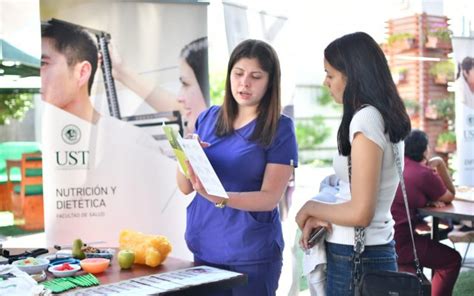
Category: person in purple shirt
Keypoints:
(252, 148)
(427, 184)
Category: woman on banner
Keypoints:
(465, 80)
(252, 148)
(374, 117)
(427, 182)
(193, 76)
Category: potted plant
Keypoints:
(446, 108)
(401, 41)
(440, 38)
(442, 72)
(431, 111)
(412, 107)
(446, 142)
(441, 109)
(400, 75)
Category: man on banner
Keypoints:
(100, 172)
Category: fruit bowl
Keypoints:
(32, 265)
(63, 270)
(95, 265)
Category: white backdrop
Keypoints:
(115, 177)
(464, 47)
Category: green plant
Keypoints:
(443, 68)
(325, 99)
(445, 108)
(14, 106)
(401, 70)
(399, 37)
(217, 88)
(411, 105)
(311, 132)
(318, 162)
(446, 137)
(443, 34)
(399, 74)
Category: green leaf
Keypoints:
(217, 88)
(311, 132)
(14, 106)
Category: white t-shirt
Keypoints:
(466, 94)
(127, 183)
(369, 121)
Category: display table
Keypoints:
(188, 281)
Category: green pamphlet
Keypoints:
(173, 137)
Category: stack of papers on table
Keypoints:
(162, 282)
(465, 193)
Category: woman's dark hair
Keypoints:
(196, 55)
(269, 107)
(368, 81)
(415, 145)
(74, 43)
(466, 65)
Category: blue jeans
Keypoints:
(340, 265)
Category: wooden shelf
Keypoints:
(419, 86)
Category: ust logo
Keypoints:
(468, 131)
(71, 134)
(470, 120)
(73, 159)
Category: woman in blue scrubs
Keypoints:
(252, 148)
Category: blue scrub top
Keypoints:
(230, 236)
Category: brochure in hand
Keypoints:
(190, 149)
(173, 137)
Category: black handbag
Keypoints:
(390, 283)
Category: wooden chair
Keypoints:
(27, 197)
(10, 165)
(457, 236)
(4, 197)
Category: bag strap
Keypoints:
(359, 237)
(398, 160)
(359, 232)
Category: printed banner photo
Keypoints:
(463, 49)
(112, 73)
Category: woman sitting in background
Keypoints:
(427, 183)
